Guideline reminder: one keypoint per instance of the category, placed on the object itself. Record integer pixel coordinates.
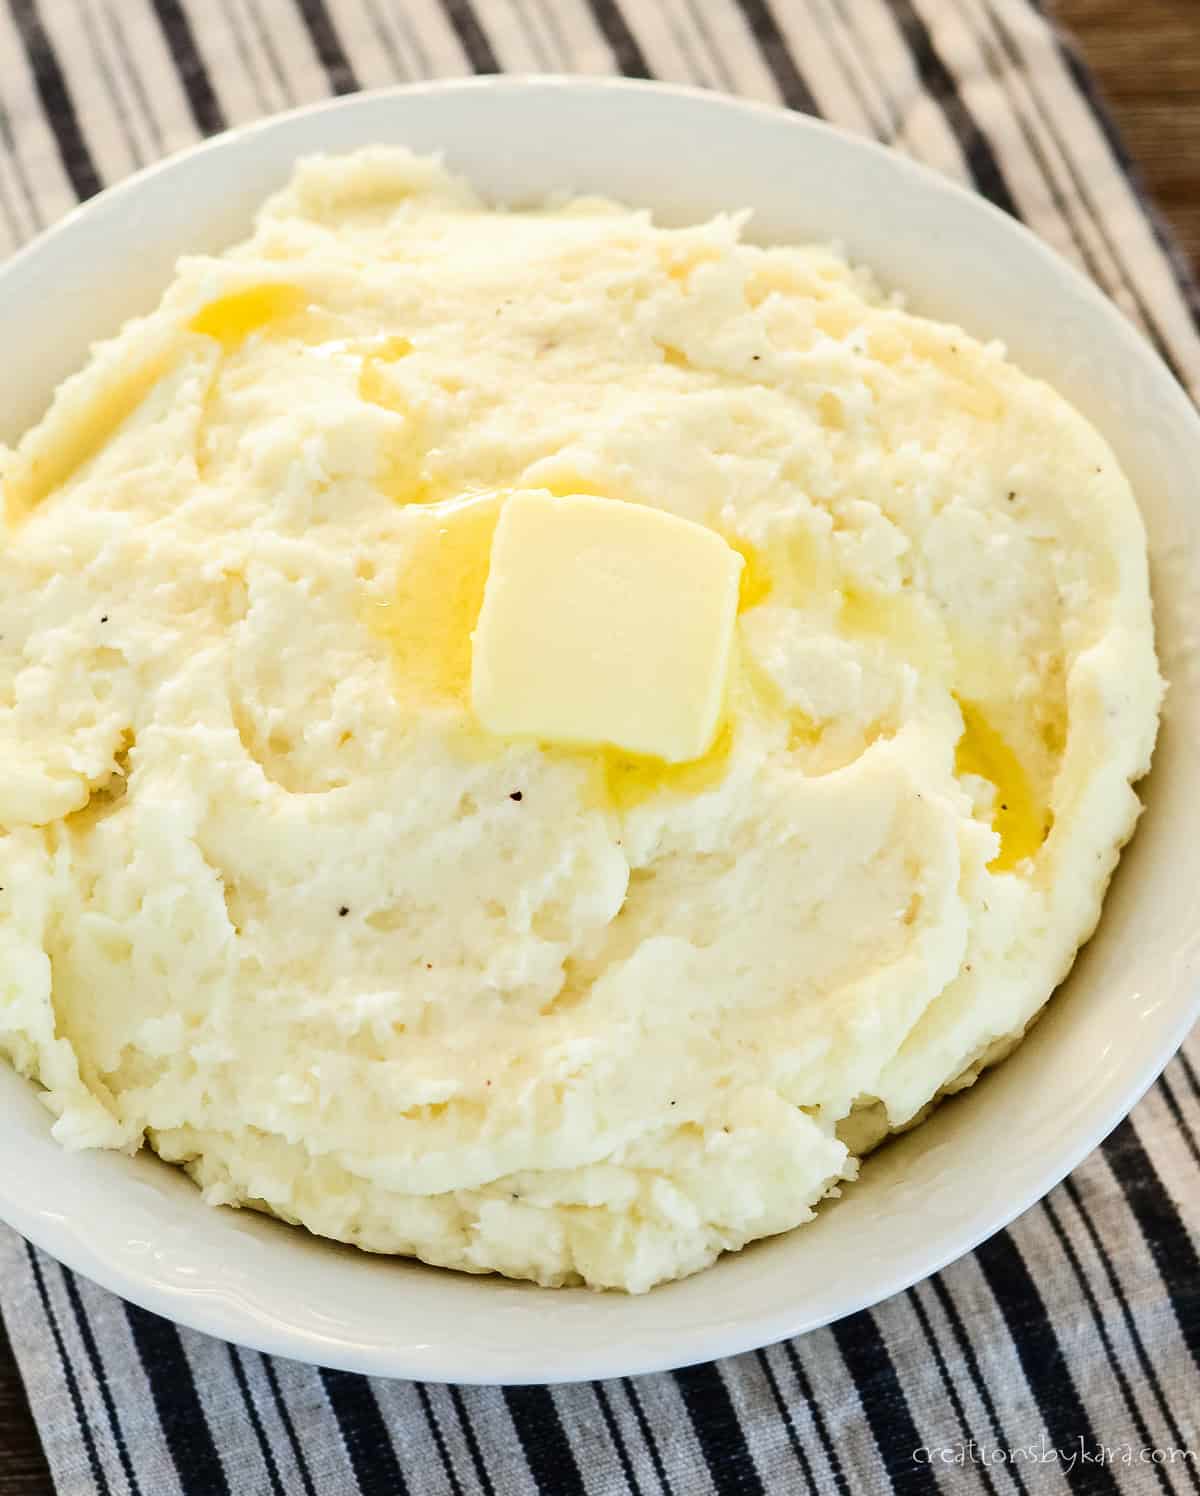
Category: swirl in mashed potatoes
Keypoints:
(277, 906)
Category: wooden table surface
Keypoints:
(1149, 67)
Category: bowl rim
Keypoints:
(229, 1317)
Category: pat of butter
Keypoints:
(605, 622)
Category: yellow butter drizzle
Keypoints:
(278, 307)
(75, 440)
(400, 476)
(909, 626)
(428, 625)
(903, 621)
(372, 385)
(429, 621)
(630, 779)
(1017, 818)
(70, 443)
(231, 319)
(756, 583)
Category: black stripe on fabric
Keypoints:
(940, 84)
(818, 1418)
(777, 55)
(84, 1325)
(89, 1443)
(289, 1427)
(435, 1428)
(471, 36)
(548, 1452)
(967, 1351)
(1041, 1356)
(193, 75)
(719, 1431)
(256, 1423)
(624, 46)
(639, 1412)
(1189, 1137)
(1185, 279)
(789, 1422)
(1167, 1237)
(1062, 203)
(364, 1433)
(181, 1415)
(1000, 78)
(319, 24)
(1097, 1314)
(468, 1428)
(57, 103)
(935, 1345)
(1118, 1291)
(883, 1401)
(614, 1433)
(1192, 1078)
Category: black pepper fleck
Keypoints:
(343, 911)
(756, 356)
(1011, 497)
(104, 619)
(516, 795)
(1003, 805)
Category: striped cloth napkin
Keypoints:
(1064, 1355)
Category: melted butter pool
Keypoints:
(231, 319)
(629, 779)
(428, 625)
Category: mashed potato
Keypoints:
(276, 906)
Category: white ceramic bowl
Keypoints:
(140, 1227)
